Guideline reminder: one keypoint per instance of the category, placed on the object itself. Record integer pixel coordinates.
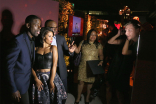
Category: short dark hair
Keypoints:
(30, 18)
(47, 22)
(135, 23)
(43, 32)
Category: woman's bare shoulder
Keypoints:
(53, 47)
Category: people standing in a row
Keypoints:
(91, 49)
(20, 60)
(122, 63)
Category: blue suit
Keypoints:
(62, 50)
(19, 64)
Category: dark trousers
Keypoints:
(64, 81)
(24, 99)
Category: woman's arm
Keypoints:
(100, 53)
(114, 39)
(54, 67)
(34, 75)
(38, 82)
(77, 50)
(125, 50)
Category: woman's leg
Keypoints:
(89, 86)
(80, 88)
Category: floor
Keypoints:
(71, 100)
(100, 99)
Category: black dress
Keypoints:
(121, 67)
(44, 96)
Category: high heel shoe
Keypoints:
(78, 102)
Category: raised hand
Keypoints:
(121, 31)
(72, 47)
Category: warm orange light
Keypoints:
(121, 11)
(104, 26)
(136, 18)
(89, 23)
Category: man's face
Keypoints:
(53, 26)
(34, 27)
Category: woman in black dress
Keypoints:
(46, 79)
(121, 66)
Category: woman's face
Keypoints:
(48, 37)
(93, 36)
(131, 32)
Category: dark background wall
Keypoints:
(143, 91)
(45, 9)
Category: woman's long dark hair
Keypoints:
(88, 37)
(43, 32)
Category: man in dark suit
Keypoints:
(19, 60)
(63, 49)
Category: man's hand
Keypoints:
(72, 47)
(16, 96)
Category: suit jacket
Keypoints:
(19, 64)
(62, 50)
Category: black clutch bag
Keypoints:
(93, 68)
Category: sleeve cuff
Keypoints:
(71, 54)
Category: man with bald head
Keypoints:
(52, 24)
(63, 49)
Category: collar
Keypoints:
(31, 39)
